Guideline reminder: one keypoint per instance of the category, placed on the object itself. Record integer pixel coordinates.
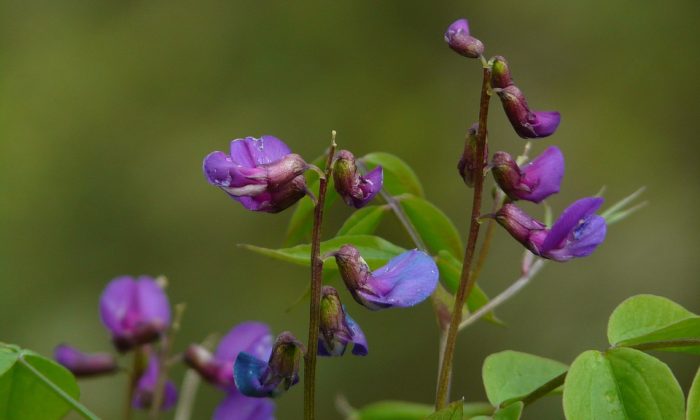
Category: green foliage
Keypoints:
(694, 399)
(434, 227)
(33, 387)
(512, 412)
(454, 411)
(364, 221)
(621, 384)
(645, 319)
(399, 178)
(301, 222)
(375, 250)
(510, 375)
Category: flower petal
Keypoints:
(545, 123)
(358, 337)
(237, 406)
(145, 388)
(247, 372)
(583, 240)
(406, 280)
(251, 152)
(568, 221)
(251, 337)
(152, 303)
(543, 175)
(84, 364)
(116, 302)
(370, 184)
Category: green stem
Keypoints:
(666, 344)
(315, 294)
(77, 406)
(544, 389)
(163, 365)
(466, 283)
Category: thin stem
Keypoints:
(488, 237)
(505, 295)
(466, 282)
(163, 365)
(315, 294)
(404, 220)
(134, 375)
(188, 394)
(545, 389)
(77, 406)
(665, 344)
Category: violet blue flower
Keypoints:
(356, 190)
(458, 38)
(405, 280)
(533, 182)
(255, 377)
(528, 124)
(136, 311)
(468, 162)
(338, 329)
(251, 337)
(575, 234)
(146, 388)
(84, 364)
(262, 174)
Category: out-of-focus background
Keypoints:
(107, 109)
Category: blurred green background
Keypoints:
(107, 109)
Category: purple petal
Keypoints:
(248, 371)
(358, 337)
(583, 240)
(406, 280)
(146, 387)
(459, 25)
(116, 304)
(251, 152)
(543, 175)
(370, 184)
(84, 364)
(239, 407)
(152, 302)
(251, 337)
(545, 123)
(568, 221)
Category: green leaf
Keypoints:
(434, 227)
(402, 410)
(399, 178)
(621, 384)
(512, 412)
(512, 375)
(454, 411)
(364, 221)
(33, 387)
(450, 272)
(375, 250)
(646, 319)
(694, 399)
(299, 227)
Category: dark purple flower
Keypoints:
(458, 38)
(262, 174)
(338, 329)
(136, 312)
(533, 182)
(356, 190)
(468, 163)
(577, 232)
(146, 388)
(405, 280)
(85, 364)
(528, 124)
(256, 378)
(251, 337)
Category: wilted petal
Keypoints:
(146, 387)
(84, 364)
(239, 407)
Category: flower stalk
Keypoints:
(315, 293)
(466, 283)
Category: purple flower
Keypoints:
(262, 174)
(255, 339)
(406, 280)
(458, 38)
(528, 124)
(84, 364)
(337, 328)
(256, 378)
(146, 388)
(356, 190)
(577, 232)
(533, 182)
(136, 312)
(468, 162)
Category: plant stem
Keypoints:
(665, 344)
(315, 295)
(545, 389)
(466, 282)
(511, 291)
(188, 392)
(163, 366)
(77, 406)
(134, 375)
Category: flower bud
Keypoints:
(528, 124)
(356, 190)
(258, 173)
(256, 378)
(468, 162)
(535, 181)
(458, 38)
(209, 368)
(337, 328)
(85, 364)
(500, 73)
(136, 312)
(521, 226)
(405, 280)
